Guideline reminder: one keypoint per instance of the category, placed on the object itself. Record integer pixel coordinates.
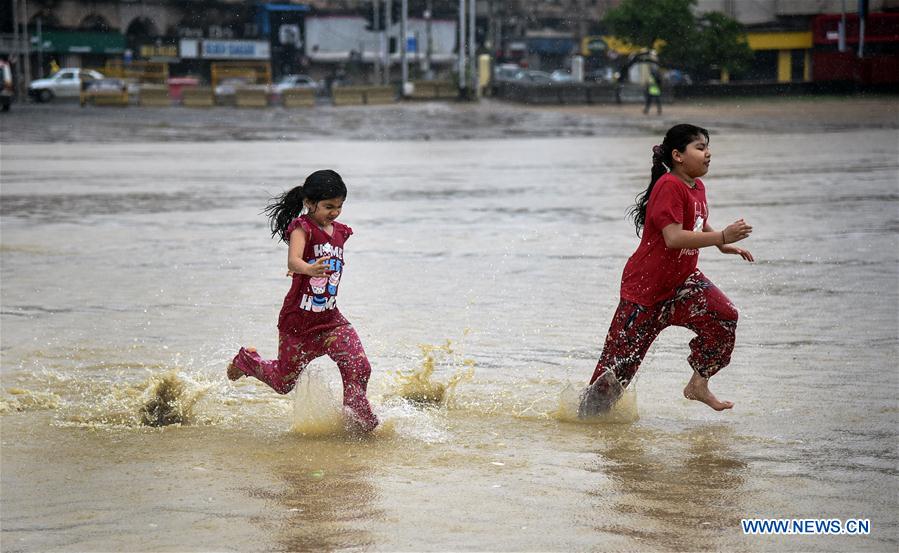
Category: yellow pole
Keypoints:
(783, 66)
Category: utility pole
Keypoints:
(841, 34)
(472, 59)
(40, 50)
(16, 46)
(429, 43)
(388, 24)
(376, 27)
(462, 48)
(862, 16)
(26, 43)
(21, 48)
(404, 47)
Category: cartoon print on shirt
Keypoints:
(318, 285)
(324, 288)
(333, 281)
(699, 209)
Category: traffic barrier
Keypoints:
(154, 96)
(568, 93)
(251, 97)
(380, 95)
(110, 99)
(447, 90)
(434, 90)
(197, 97)
(348, 95)
(298, 98)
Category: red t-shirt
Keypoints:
(311, 303)
(654, 272)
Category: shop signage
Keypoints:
(235, 49)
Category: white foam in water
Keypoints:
(317, 409)
(624, 410)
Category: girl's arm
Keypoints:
(729, 248)
(676, 238)
(295, 262)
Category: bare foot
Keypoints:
(698, 389)
(235, 373)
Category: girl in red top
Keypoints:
(310, 325)
(661, 285)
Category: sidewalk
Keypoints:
(487, 119)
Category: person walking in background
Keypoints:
(310, 325)
(653, 93)
(661, 285)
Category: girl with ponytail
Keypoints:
(310, 325)
(661, 286)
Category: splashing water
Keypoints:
(624, 411)
(418, 386)
(317, 410)
(28, 400)
(170, 402)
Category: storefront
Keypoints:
(782, 56)
(879, 64)
(283, 25)
(76, 48)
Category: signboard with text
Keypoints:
(225, 49)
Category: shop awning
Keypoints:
(551, 46)
(79, 42)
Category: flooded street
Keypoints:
(483, 273)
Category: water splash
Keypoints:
(163, 399)
(420, 387)
(624, 411)
(170, 402)
(317, 410)
(28, 400)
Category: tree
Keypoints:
(643, 22)
(697, 45)
(722, 44)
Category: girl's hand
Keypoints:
(737, 251)
(320, 268)
(736, 231)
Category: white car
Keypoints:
(293, 81)
(65, 83)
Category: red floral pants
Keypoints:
(698, 305)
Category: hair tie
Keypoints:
(658, 155)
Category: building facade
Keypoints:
(317, 35)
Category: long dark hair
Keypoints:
(320, 185)
(677, 138)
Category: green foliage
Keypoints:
(722, 43)
(642, 22)
(697, 45)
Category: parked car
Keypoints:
(229, 86)
(601, 75)
(561, 76)
(6, 89)
(506, 71)
(103, 87)
(294, 81)
(533, 76)
(65, 83)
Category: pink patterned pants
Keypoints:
(341, 344)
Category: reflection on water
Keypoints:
(680, 491)
(323, 490)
